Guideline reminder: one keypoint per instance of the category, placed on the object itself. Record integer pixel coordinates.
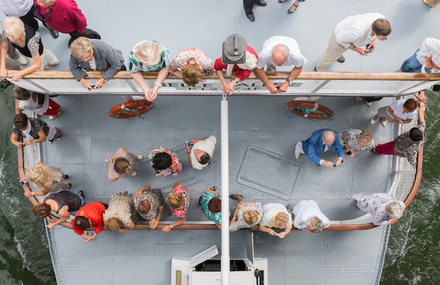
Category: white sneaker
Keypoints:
(368, 104)
(358, 99)
(373, 121)
(22, 60)
(297, 154)
(384, 123)
(139, 157)
(134, 173)
(49, 66)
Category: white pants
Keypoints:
(47, 57)
(52, 133)
(299, 147)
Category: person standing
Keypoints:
(354, 33)
(321, 141)
(87, 217)
(384, 209)
(406, 144)
(190, 64)
(200, 151)
(308, 217)
(65, 17)
(279, 51)
(249, 5)
(427, 55)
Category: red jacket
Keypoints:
(65, 16)
(242, 73)
(93, 212)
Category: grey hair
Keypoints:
(394, 209)
(283, 49)
(316, 226)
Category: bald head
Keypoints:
(328, 137)
(280, 53)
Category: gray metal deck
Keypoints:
(260, 133)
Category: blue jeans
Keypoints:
(413, 65)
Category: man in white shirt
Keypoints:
(279, 51)
(308, 217)
(200, 151)
(355, 33)
(428, 55)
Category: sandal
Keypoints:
(430, 5)
(232, 196)
(54, 117)
(59, 137)
(290, 11)
(49, 66)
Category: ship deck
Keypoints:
(262, 168)
(262, 137)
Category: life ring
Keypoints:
(130, 109)
(310, 110)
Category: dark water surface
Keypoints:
(413, 248)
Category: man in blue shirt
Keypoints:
(321, 141)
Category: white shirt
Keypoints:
(397, 107)
(92, 63)
(356, 30)
(29, 104)
(207, 146)
(306, 210)
(17, 8)
(429, 48)
(295, 57)
(270, 211)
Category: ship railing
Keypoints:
(341, 84)
(323, 84)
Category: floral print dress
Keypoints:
(176, 166)
(375, 203)
(180, 213)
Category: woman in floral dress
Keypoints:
(164, 162)
(178, 201)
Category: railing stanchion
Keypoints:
(225, 190)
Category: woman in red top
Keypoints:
(89, 216)
(244, 70)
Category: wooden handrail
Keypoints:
(405, 76)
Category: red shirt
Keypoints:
(242, 73)
(93, 212)
(65, 16)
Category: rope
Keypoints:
(324, 116)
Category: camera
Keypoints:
(4, 84)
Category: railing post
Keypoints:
(225, 190)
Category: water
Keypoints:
(24, 253)
(412, 256)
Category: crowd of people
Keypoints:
(88, 52)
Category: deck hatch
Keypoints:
(260, 166)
